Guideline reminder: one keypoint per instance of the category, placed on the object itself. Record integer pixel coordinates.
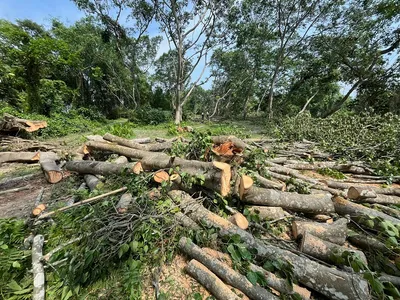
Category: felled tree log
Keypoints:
(356, 211)
(224, 272)
(369, 243)
(315, 204)
(349, 168)
(132, 144)
(13, 181)
(51, 170)
(268, 212)
(37, 268)
(380, 199)
(124, 202)
(98, 167)
(335, 232)
(358, 193)
(22, 157)
(324, 250)
(121, 160)
(186, 221)
(345, 185)
(238, 143)
(12, 124)
(334, 284)
(210, 281)
(92, 181)
(145, 140)
(387, 210)
(280, 284)
(22, 188)
(269, 184)
(239, 220)
(287, 171)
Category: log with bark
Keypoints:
(313, 203)
(268, 212)
(92, 182)
(10, 123)
(335, 232)
(210, 281)
(10, 182)
(37, 268)
(357, 211)
(238, 143)
(124, 202)
(98, 167)
(51, 170)
(224, 272)
(358, 193)
(269, 184)
(387, 210)
(21, 157)
(369, 243)
(324, 250)
(132, 144)
(345, 185)
(332, 283)
(121, 160)
(348, 168)
(239, 220)
(22, 188)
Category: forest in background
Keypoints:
(272, 58)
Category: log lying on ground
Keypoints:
(287, 171)
(22, 157)
(345, 185)
(13, 181)
(246, 182)
(210, 281)
(124, 202)
(98, 167)
(224, 272)
(358, 193)
(132, 144)
(330, 282)
(380, 199)
(186, 221)
(145, 140)
(10, 123)
(356, 211)
(280, 284)
(92, 182)
(51, 170)
(268, 213)
(121, 160)
(238, 143)
(269, 184)
(348, 168)
(324, 250)
(95, 138)
(387, 210)
(369, 243)
(335, 232)
(22, 188)
(315, 204)
(37, 268)
(239, 220)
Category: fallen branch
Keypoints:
(90, 200)
(37, 268)
(92, 182)
(21, 157)
(22, 188)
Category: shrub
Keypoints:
(151, 116)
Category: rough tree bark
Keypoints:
(23, 157)
(51, 170)
(37, 268)
(268, 213)
(132, 144)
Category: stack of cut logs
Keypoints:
(320, 221)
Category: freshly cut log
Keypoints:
(12, 124)
(269, 184)
(37, 268)
(210, 281)
(344, 185)
(369, 243)
(324, 250)
(315, 204)
(225, 177)
(38, 210)
(95, 138)
(51, 170)
(358, 193)
(92, 181)
(246, 182)
(268, 213)
(332, 283)
(132, 144)
(280, 284)
(98, 167)
(238, 143)
(142, 140)
(287, 171)
(137, 168)
(224, 272)
(186, 221)
(121, 160)
(22, 157)
(124, 202)
(239, 220)
(161, 176)
(335, 232)
(387, 210)
(356, 211)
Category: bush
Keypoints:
(374, 138)
(151, 116)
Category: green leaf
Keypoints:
(252, 277)
(244, 253)
(391, 241)
(14, 286)
(4, 247)
(145, 248)
(122, 250)
(16, 265)
(234, 254)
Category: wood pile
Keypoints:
(319, 226)
(11, 123)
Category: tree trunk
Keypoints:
(269, 184)
(266, 213)
(178, 114)
(92, 182)
(210, 281)
(51, 170)
(387, 210)
(37, 268)
(224, 272)
(221, 139)
(13, 124)
(332, 283)
(315, 204)
(358, 193)
(369, 243)
(23, 157)
(324, 250)
(98, 167)
(335, 233)
(132, 144)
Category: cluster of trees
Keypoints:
(274, 56)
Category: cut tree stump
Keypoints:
(335, 232)
(210, 281)
(10, 123)
(224, 272)
(324, 250)
(332, 283)
(268, 213)
(313, 203)
(160, 176)
(37, 268)
(239, 220)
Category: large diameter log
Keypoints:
(268, 213)
(332, 283)
(239, 220)
(315, 204)
(97, 167)
(37, 268)
(324, 250)
(238, 143)
(11, 123)
(132, 144)
(344, 207)
(357, 193)
(210, 281)
(22, 157)
(335, 232)
(51, 170)
(344, 185)
(224, 272)
(269, 184)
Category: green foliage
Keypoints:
(199, 147)
(373, 138)
(151, 116)
(125, 129)
(331, 173)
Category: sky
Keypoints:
(42, 11)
